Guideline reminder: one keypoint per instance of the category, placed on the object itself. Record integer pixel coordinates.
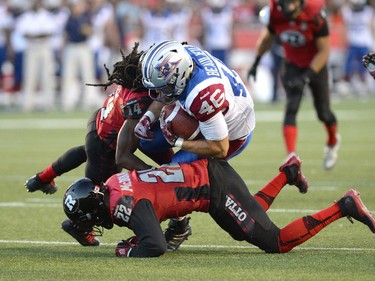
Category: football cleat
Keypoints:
(293, 172)
(177, 232)
(331, 154)
(34, 183)
(85, 238)
(352, 207)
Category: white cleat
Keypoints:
(331, 154)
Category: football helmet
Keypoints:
(84, 203)
(287, 7)
(166, 68)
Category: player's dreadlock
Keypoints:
(126, 72)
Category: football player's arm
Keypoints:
(216, 142)
(321, 57)
(264, 42)
(146, 227)
(127, 144)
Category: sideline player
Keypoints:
(302, 28)
(140, 200)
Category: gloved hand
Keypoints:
(166, 128)
(369, 62)
(143, 129)
(124, 247)
(301, 80)
(252, 72)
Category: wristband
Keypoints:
(179, 142)
(150, 115)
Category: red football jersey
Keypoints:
(298, 36)
(120, 105)
(174, 190)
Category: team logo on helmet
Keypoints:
(71, 202)
(166, 67)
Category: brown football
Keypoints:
(183, 125)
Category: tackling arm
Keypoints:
(127, 144)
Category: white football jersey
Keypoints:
(213, 88)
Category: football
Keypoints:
(183, 125)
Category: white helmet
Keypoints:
(166, 68)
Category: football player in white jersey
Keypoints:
(208, 90)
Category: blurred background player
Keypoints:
(303, 31)
(359, 22)
(37, 27)
(79, 59)
(217, 29)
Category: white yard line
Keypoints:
(187, 246)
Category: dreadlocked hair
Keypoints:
(126, 72)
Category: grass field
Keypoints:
(33, 247)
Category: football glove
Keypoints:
(171, 138)
(143, 129)
(369, 62)
(124, 247)
(299, 82)
(253, 69)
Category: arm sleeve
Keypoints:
(146, 227)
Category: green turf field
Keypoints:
(33, 247)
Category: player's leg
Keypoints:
(289, 173)
(236, 211)
(320, 91)
(44, 180)
(294, 97)
(306, 227)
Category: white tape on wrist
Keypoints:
(151, 116)
(179, 142)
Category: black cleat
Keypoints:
(177, 232)
(352, 207)
(293, 172)
(85, 238)
(34, 183)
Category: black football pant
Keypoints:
(236, 211)
(319, 89)
(99, 158)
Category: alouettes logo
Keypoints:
(166, 67)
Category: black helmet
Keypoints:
(84, 202)
(283, 6)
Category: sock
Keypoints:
(290, 137)
(306, 227)
(48, 174)
(267, 194)
(331, 131)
